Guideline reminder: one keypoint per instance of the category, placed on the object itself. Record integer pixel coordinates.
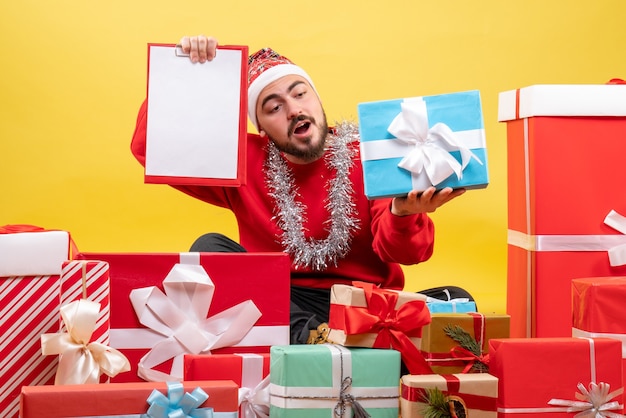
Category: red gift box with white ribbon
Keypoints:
(250, 371)
(598, 309)
(565, 147)
(166, 305)
(557, 377)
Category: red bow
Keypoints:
(392, 326)
(16, 228)
(464, 354)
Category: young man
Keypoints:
(304, 194)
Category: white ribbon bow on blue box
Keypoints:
(419, 142)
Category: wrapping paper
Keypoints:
(451, 306)
(30, 265)
(598, 309)
(477, 392)
(414, 143)
(363, 315)
(81, 360)
(317, 380)
(444, 354)
(532, 372)
(250, 372)
(32, 251)
(88, 279)
(555, 237)
(259, 278)
(117, 399)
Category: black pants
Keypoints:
(309, 307)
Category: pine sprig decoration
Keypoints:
(436, 404)
(469, 343)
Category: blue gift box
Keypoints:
(439, 141)
(451, 306)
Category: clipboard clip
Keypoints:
(178, 51)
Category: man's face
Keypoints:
(290, 114)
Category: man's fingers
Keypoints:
(185, 44)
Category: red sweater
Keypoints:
(382, 242)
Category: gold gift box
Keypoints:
(442, 351)
(351, 296)
(475, 393)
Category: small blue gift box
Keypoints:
(452, 306)
(419, 142)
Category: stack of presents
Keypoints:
(207, 334)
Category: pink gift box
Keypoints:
(263, 278)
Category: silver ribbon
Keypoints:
(594, 402)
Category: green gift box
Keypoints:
(329, 380)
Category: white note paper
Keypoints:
(194, 117)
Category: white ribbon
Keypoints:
(254, 396)
(431, 147)
(615, 245)
(617, 254)
(594, 402)
(81, 361)
(180, 317)
(255, 402)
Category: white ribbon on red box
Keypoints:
(178, 319)
(614, 245)
(254, 395)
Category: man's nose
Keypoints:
(294, 109)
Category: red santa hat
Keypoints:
(264, 67)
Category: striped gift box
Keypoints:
(88, 279)
(29, 307)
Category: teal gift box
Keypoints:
(419, 142)
(329, 380)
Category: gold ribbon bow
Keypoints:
(81, 361)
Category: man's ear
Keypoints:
(262, 133)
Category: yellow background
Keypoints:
(73, 74)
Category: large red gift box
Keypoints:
(565, 146)
(238, 278)
(248, 370)
(542, 377)
(119, 399)
(598, 309)
(30, 268)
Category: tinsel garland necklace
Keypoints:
(316, 254)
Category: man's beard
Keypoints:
(314, 150)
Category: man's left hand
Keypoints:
(423, 202)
